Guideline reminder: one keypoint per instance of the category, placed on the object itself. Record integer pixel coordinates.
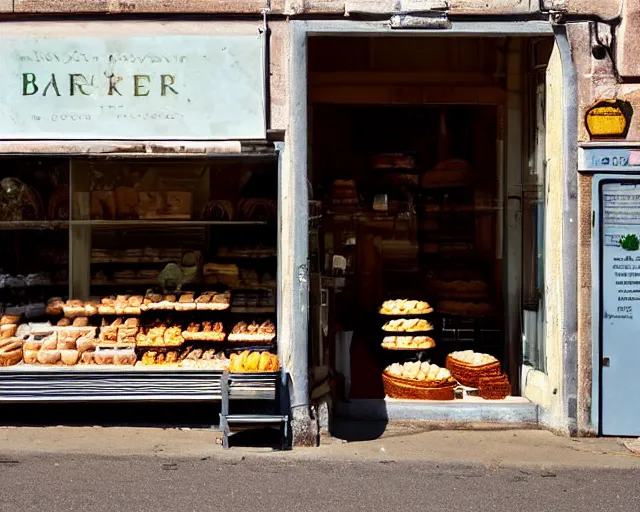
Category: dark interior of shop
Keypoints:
(405, 164)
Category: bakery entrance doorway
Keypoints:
(426, 220)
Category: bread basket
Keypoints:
(404, 389)
(494, 388)
(470, 375)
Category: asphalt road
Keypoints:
(53, 483)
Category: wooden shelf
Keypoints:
(142, 223)
(33, 224)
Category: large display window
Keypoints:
(139, 263)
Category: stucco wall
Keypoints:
(603, 8)
(546, 389)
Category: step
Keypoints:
(256, 418)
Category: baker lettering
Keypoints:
(86, 85)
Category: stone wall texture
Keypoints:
(603, 8)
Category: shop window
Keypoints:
(154, 258)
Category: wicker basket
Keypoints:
(494, 388)
(469, 375)
(413, 390)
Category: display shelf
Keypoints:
(163, 223)
(33, 224)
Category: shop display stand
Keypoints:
(249, 387)
(406, 354)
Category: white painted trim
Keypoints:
(458, 28)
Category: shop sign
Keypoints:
(609, 119)
(621, 258)
(181, 87)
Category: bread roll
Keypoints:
(125, 358)
(87, 357)
(9, 319)
(8, 330)
(30, 356)
(48, 356)
(252, 362)
(85, 343)
(69, 357)
(66, 344)
(265, 357)
(81, 321)
(50, 342)
(32, 344)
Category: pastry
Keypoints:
(85, 344)
(430, 374)
(74, 308)
(173, 336)
(10, 352)
(65, 322)
(127, 358)
(149, 357)
(87, 357)
(408, 342)
(77, 322)
(48, 356)
(8, 330)
(405, 307)
(253, 332)
(69, 357)
(50, 342)
(107, 306)
(206, 331)
(91, 308)
(253, 362)
(9, 319)
(407, 325)
(473, 358)
(186, 302)
(171, 357)
(54, 306)
(30, 356)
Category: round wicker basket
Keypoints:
(413, 390)
(469, 375)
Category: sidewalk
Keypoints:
(401, 442)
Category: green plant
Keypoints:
(630, 242)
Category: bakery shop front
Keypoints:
(429, 154)
(139, 212)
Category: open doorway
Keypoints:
(426, 165)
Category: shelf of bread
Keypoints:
(408, 325)
(136, 304)
(408, 342)
(253, 362)
(253, 332)
(118, 341)
(189, 357)
(204, 331)
(405, 307)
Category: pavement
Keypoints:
(168, 469)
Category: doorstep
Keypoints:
(470, 410)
